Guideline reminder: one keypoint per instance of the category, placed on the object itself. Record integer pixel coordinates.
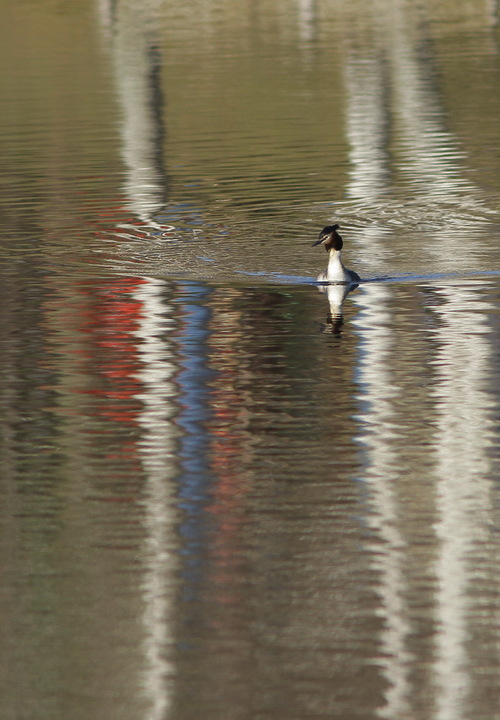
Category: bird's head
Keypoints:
(330, 238)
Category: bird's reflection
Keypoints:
(336, 294)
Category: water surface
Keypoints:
(228, 492)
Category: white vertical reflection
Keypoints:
(378, 391)
(406, 168)
(156, 452)
(137, 66)
(132, 28)
(367, 120)
(307, 19)
(387, 81)
(367, 129)
(463, 366)
(430, 160)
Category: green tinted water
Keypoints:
(219, 497)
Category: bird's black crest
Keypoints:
(335, 241)
(329, 229)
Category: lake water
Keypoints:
(227, 492)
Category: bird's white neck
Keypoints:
(336, 272)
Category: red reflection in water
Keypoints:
(111, 321)
(96, 349)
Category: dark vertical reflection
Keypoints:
(271, 625)
(31, 507)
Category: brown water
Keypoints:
(220, 500)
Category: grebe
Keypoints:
(335, 271)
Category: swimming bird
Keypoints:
(335, 272)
